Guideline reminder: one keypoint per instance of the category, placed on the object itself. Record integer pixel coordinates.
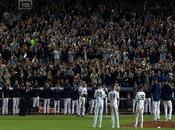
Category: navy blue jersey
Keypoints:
(6, 92)
(156, 91)
(57, 94)
(67, 91)
(35, 91)
(16, 92)
(92, 92)
(74, 93)
(148, 92)
(47, 92)
(166, 92)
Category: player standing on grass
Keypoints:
(67, 97)
(82, 99)
(6, 95)
(156, 91)
(47, 94)
(113, 97)
(16, 97)
(148, 105)
(75, 97)
(93, 100)
(99, 95)
(140, 100)
(166, 95)
(56, 96)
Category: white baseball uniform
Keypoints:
(82, 100)
(113, 97)
(140, 100)
(99, 95)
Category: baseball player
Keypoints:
(148, 105)
(82, 99)
(156, 91)
(67, 98)
(93, 100)
(140, 100)
(16, 96)
(99, 95)
(47, 94)
(35, 94)
(166, 95)
(113, 97)
(75, 97)
(5, 99)
(56, 96)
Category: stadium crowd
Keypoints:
(96, 42)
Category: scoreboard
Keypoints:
(25, 4)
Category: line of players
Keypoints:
(23, 92)
(25, 96)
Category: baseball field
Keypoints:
(60, 122)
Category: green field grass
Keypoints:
(61, 122)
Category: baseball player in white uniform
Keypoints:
(99, 95)
(140, 100)
(113, 97)
(82, 99)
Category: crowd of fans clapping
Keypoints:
(97, 45)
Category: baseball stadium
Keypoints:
(87, 64)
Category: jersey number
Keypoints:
(99, 94)
(112, 96)
(141, 97)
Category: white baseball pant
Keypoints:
(82, 105)
(15, 106)
(67, 106)
(98, 114)
(5, 106)
(139, 112)
(156, 110)
(75, 105)
(35, 102)
(167, 105)
(46, 106)
(114, 114)
(148, 105)
(56, 106)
